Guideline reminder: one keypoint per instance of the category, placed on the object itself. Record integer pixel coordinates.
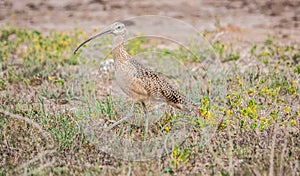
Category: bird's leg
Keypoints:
(146, 114)
(128, 116)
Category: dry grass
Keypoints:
(41, 133)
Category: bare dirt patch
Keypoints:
(249, 20)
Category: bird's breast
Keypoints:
(124, 74)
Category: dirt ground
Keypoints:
(251, 21)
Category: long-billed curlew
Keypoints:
(137, 81)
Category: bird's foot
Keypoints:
(128, 116)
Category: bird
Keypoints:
(138, 81)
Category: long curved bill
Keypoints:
(95, 36)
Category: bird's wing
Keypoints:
(138, 90)
(157, 86)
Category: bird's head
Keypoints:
(116, 29)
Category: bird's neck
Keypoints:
(119, 53)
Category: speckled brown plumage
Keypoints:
(142, 83)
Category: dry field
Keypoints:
(48, 95)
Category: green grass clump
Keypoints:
(224, 52)
(28, 56)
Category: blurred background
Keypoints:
(249, 20)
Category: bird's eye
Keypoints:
(119, 27)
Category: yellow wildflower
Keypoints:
(294, 122)
(37, 47)
(35, 39)
(229, 112)
(287, 109)
(167, 128)
(51, 78)
(63, 43)
(294, 82)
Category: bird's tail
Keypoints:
(180, 101)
